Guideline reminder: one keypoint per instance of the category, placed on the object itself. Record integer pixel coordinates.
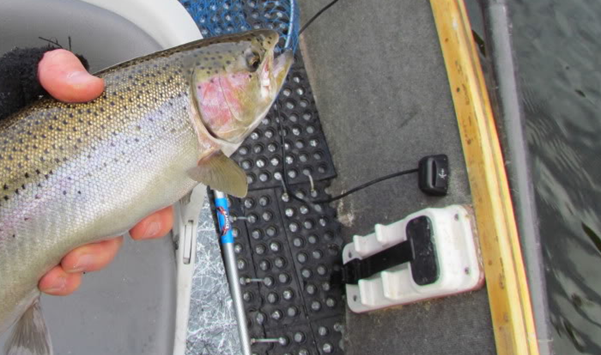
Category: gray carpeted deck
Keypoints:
(381, 88)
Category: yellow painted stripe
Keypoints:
(507, 285)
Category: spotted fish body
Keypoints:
(72, 174)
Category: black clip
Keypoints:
(418, 250)
(434, 175)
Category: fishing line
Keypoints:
(319, 13)
(283, 150)
(54, 41)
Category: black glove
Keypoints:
(19, 84)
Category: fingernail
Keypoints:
(153, 229)
(83, 262)
(60, 284)
(78, 77)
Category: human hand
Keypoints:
(64, 77)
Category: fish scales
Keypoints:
(71, 174)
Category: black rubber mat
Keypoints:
(287, 249)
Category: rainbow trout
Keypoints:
(72, 174)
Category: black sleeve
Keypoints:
(19, 84)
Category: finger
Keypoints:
(91, 257)
(61, 73)
(154, 226)
(59, 283)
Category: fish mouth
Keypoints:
(281, 67)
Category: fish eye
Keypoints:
(253, 60)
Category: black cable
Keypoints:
(367, 184)
(324, 9)
(331, 199)
(283, 150)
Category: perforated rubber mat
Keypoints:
(287, 249)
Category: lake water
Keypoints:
(558, 48)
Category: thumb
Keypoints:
(64, 77)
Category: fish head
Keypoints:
(235, 84)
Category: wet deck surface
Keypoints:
(381, 89)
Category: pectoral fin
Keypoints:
(221, 173)
(30, 335)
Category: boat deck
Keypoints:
(381, 88)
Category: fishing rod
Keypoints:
(229, 255)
